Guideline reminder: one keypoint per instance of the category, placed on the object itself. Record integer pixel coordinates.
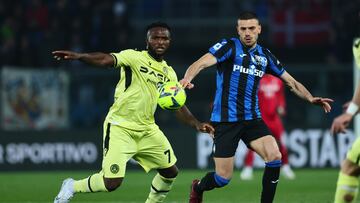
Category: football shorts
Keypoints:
(228, 134)
(150, 148)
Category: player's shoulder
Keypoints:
(130, 51)
(264, 49)
(125, 53)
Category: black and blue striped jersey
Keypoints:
(239, 71)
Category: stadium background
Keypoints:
(52, 113)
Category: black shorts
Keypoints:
(228, 134)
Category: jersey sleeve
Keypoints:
(124, 58)
(274, 67)
(223, 50)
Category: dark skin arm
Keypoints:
(96, 58)
(186, 116)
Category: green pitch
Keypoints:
(310, 186)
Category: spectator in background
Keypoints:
(272, 107)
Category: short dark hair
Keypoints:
(247, 15)
(158, 24)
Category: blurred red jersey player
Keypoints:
(272, 107)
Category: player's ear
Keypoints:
(259, 28)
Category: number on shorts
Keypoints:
(168, 153)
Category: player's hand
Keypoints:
(206, 128)
(66, 55)
(186, 83)
(340, 123)
(345, 106)
(323, 102)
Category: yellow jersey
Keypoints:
(136, 93)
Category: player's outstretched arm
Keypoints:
(96, 58)
(299, 89)
(187, 117)
(205, 61)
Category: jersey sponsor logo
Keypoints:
(160, 78)
(242, 55)
(251, 71)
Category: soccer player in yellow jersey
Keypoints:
(348, 182)
(129, 129)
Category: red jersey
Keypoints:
(271, 97)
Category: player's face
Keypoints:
(158, 40)
(248, 31)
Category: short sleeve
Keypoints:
(223, 50)
(274, 67)
(123, 58)
(172, 74)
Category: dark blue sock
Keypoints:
(270, 180)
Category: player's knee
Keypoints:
(221, 181)
(112, 184)
(275, 155)
(350, 168)
(170, 172)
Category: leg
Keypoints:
(247, 172)
(277, 129)
(113, 166)
(155, 152)
(97, 183)
(268, 149)
(161, 184)
(348, 183)
(220, 178)
(226, 139)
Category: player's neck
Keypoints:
(248, 48)
(156, 57)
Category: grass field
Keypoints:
(310, 186)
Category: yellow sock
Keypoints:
(346, 189)
(93, 183)
(160, 187)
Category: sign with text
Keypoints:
(50, 151)
(315, 148)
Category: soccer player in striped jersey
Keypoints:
(347, 188)
(241, 62)
(129, 129)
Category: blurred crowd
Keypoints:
(31, 29)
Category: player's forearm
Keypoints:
(97, 59)
(356, 97)
(205, 61)
(192, 71)
(184, 115)
(353, 107)
(299, 90)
